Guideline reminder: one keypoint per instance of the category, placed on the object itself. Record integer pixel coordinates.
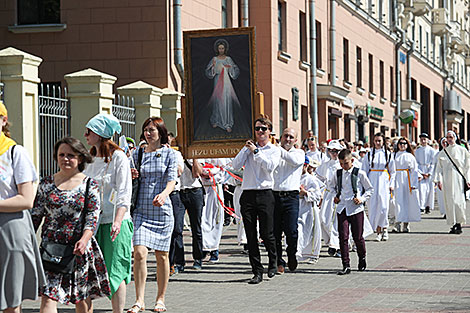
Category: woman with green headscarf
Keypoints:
(112, 170)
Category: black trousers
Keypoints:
(286, 220)
(258, 205)
(193, 201)
(176, 244)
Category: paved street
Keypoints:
(427, 270)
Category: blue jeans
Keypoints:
(193, 201)
(286, 215)
(176, 254)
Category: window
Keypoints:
(420, 39)
(227, 13)
(413, 89)
(371, 73)
(303, 36)
(318, 45)
(359, 66)
(38, 12)
(382, 79)
(346, 59)
(281, 25)
(392, 87)
(282, 115)
(427, 45)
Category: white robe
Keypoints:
(328, 218)
(212, 220)
(309, 226)
(407, 208)
(381, 177)
(425, 157)
(241, 235)
(452, 182)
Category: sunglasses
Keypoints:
(333, 150)
(87, 132)
(311, 139)
(261, 128)
(403, 143)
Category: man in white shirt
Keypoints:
(257, 200)
(286, 195)
(192, 196)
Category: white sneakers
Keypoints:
(382, 236)
(379, 237)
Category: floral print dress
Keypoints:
(62, 211)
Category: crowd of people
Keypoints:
(113, 203)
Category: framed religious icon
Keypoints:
(220, 82)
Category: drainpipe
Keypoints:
(245, 11)
(224, 14)
(408, 67)
(333, 42)
(313, 68)
(178, 40)
(398, 44)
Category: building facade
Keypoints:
(354, 70)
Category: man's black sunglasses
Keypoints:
(263, 128)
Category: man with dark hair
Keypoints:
(348, 182)
(286, 194)
(257, 200)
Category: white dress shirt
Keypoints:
(347, 194)
(289, 171)
(180, 161)
(259, 167)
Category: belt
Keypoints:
(185, 190)
(385, 170)
(408, 173)
(287, 193)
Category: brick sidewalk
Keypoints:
(426, 270)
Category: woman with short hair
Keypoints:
(153, 216)
(69, 202)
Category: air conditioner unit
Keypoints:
(452, 101)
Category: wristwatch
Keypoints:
(255, 151)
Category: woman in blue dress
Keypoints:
(153, 216)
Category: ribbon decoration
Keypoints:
(408, 173)
(389, 177)
(230, 211)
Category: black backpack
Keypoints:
(339, 178)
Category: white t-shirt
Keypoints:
(22, 171)
(115, 175)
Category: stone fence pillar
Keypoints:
(19, 73)
(147, 101)
(171, 109)
(90, 93)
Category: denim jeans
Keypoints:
(193, 201)
(176, 254)
(286, 216)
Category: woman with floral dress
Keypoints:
(18, 246)
(60, 201)
(153, 216)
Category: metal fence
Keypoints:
(54, 124)
(124, 110)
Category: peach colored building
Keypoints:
(357, 48)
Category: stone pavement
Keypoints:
(426, 270)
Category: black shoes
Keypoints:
(345, 271)
(292, 262)
(456, 229)
(362, 264)
(272, 272)
(256, 280)
(331, 251)
(427, 210)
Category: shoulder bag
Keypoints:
(136, 182)
(57, 257)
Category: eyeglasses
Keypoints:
(150, 130)
(261, 128)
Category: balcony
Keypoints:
(420, 7)
(454, 35)
(440, 22)
(467, 60)
(464, 46)
(410, 105)
(332, 92)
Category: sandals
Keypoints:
(159, 306)
(136, 308)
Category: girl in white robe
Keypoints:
(380, 168)
(309, 226)
(451, 182)
(212, 220)
(425, 156)
(407, 208)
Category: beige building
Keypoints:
(361, 48)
